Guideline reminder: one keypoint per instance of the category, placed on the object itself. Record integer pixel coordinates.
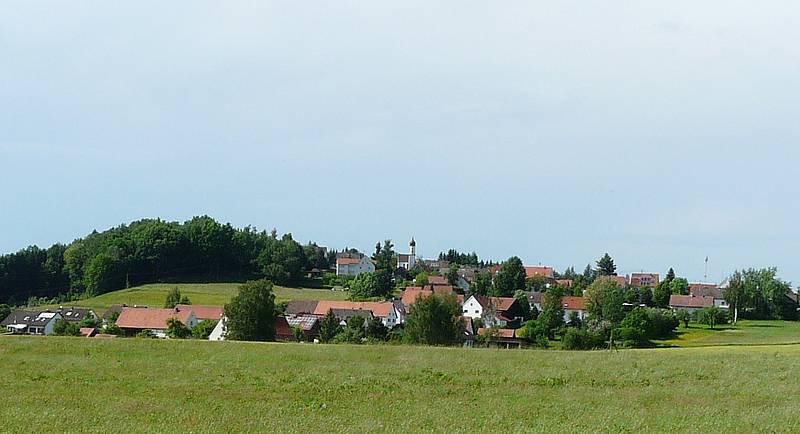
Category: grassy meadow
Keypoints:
(743, 333)
(96, 385)
(199, 293)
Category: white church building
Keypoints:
(408, 261)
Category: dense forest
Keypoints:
(148, 251)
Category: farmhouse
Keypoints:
(134, 320)
(353, 266)
(493, 311)
(31, 322)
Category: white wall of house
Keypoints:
(471, 308)
(219, 332)
(365, 266)
(581, 314)
(721, 303)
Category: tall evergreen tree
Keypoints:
(606, 267)
(329, 327)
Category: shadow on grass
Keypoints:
(764, 325)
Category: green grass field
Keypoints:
(743, 333)
(94, 385)
(216, 294)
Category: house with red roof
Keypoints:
(574, 304)
(133, 320)
(493, 311)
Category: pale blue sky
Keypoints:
(555, 131)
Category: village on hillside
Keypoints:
(488, 315)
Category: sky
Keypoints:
(661, 133)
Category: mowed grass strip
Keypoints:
(96, 385)
(216, 294)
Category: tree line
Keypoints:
(154, 250)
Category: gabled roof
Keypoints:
(690, 301)
(153, 319)
(378, 308)
(74, 314)
(212, 313)
(499, 303)
(547, 272)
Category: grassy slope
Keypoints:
(198, 293)
(744, 333)
(97, 385)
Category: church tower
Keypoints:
(413, 245)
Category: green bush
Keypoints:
(712, 316)
(663, 323)
(581, 339)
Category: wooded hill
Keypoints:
(147, 251)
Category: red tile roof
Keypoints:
(499, 303)
(378, 308)
(573, 303)
(153, 319)
(539, 271)
(213, 313)
(348, 261)
(690, 301)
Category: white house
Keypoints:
(408, 260)
(31, 322)
(348, 266)
(493, 311)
